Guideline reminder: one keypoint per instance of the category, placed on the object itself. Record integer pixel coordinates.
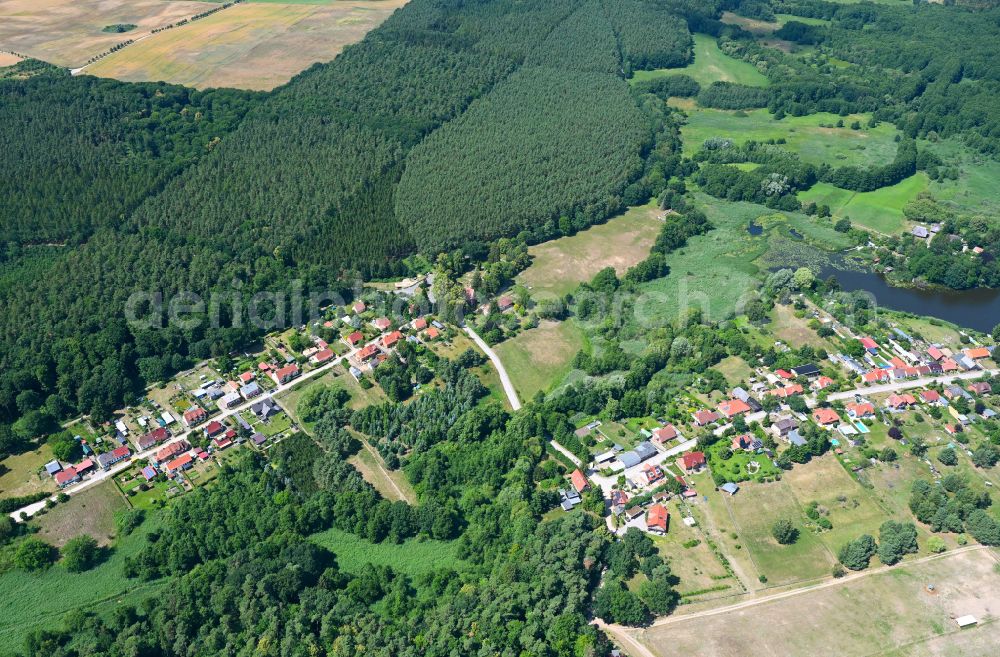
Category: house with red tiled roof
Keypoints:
(86, 465)
(704, 417)
(930, 396)
(246, 377)
(870, 345)
(822, 383)
(285, 374)
(157, 435)
(321, 357)
(432, 334)
(368, 352)
(382, 323)
(949, 365)
(733, 407)
(391, 339)
(693, 462)
(66, 476)
(182, 462)
(977, 352)
(935, 353)
(744, 441)
(658, 519)
(785, 374)
(875, 376)
(899, 402)
(825, 416)
(504, 303)
(980, 388)
(354, 339)
(787, 391)
(419, 324)
(652, 473)
(171, 450)
(359, 307)
(664, 434)
(214, 428)
(861, 410)
(194, 416)
(579, 481)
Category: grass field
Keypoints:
(813, 137)
(412, 557)
(539, 358)
(391, 484)
(69, 33)
(881, 210)
(558, 266)
(33, 600)
(711, 65)
(755, 509)
(735, 369)
(887, 614)
(793, 330)
(20, 473)
(89, 512)
(248, 46)
(976, 190)
(717, 272)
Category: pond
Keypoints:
(977, 309)
(754, 228)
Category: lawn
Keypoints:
(412, 557)
(257, 45)
(794, 331)
(89, 512)
(19, 473)
(880, 210)
(718, 272)
(814, 137)
(560, 265)
(755, 508)
(888, 614)
(539, 358)
(741, 466)
(33, 600)
(711, 65)
(735, 369)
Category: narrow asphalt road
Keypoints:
(508, 387)
(912, 383)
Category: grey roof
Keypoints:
(920, 231)
(258, 439)
(645, 450)
(250, 389)
(741, 394)
(729, 487)
(53, 467)
(630, 459)
(795, 438)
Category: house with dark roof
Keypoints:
(265, 409)
(152, 438)
(808, 370)
(107, 459)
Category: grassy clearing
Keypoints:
(976, 190)
(735, 369)
(248, 46)
(814, 137)
(392, 484)
(538, 359)
(881, 210)
(412, 557)
(34, 600)
(890, 613)
(19, 474)
(718, 272)
(90, 512)
(558, 266)
(794, 330)
(711, 65)
(755, 509)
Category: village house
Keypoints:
(246, 377)
(658, 519)
(825, 417)
(152, 438)
(785, 374)
(704, 417)
(214, 428)
(787, 391)
(977, 353)
(107, 459)
(66, 477)
(900, 402)
(809, 370)
(170, 451)
(746, 442)
(935, 353)
(875, 376)
(84, 466)
(619, 500)
(730, 488)
(692, 462)
(182, 462)
(642, 451)
(419, 324)
(930, 396)
(368, 352)
(579, 481)
(870, 345)
(194, 416)
(861, 410)
(250, 390)
(265, 409)
(822, 383)
(663, 435)
(285, 374)
(782, 426)
(391, 339)
(633, 513)
(431, 334)
(321, 356)
(353, 339)
(733, 407)
(651, 473)
(230, 400)
(359, 307)
(980, 388)
(504, 304)
(382, 323)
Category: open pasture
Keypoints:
(558, 266)
(539, 358)
(814, 137)
(711, 65)
(257, 45)
(68, 33)
(890, 613)
(880, 210)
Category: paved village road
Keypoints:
(508, 387)
(912, 383)
(103, 475)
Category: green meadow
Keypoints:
(880, 210)
(411, 557)
(711, 65)
(814, 137)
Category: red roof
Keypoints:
(503, 303)
(665, 433)
(223, 443)
(787, 391)
(784, 374)
(874, 375)
(179, 462)
(703, 417)
(868, 343)
(214, 427)
(432, 333)
(823, 382)
(194, 414)
(825, 416)
(693, 460)
(359, 306)
(948, 365)
(898, 401)
(65, 476)
(382, 323)
(171, 450)
(935, 353)
(83, 466)
(733, 407)
(263, 367)
(579, 480)
(930, 395)
(287, 372)
(658, 517)
(367, 352)
(323, 356)
(355, 338)
(978, 352)
(419, 323)
(863, 409)
(391, 339)
(246, 377)
(120, 452)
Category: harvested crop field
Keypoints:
(69, 33)
(7, 59)
(887, 613)
(247, 46)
